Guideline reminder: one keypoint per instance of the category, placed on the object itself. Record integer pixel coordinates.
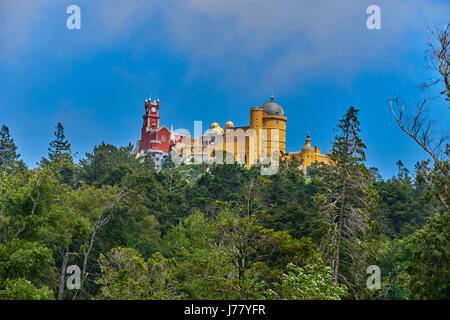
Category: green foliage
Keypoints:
(22, 289)
(346, 198)
(27, 260)
(60, 158)
(108, 164)
(436, 179)
(429, 270)
(208, 231)
(59, 149)
(9, 158)
(394, 258)
(288, 204)
(231, 257)
(314, 281)
(126, 276)
(401, 208)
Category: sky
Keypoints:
(212, 60)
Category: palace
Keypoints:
(264, 139)
(309, 155)
(155, 140)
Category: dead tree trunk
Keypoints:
(62, 276)
(338, 249)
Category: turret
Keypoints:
(172, 135)
(308, 141)
(151, 117)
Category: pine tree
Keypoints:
(9, 158)
(60, 159)
(345, 200)
(429, 269)
(60, 147)
(403, 172)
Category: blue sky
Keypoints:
(212, 61)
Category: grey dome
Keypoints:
(273, 108)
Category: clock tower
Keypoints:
(155, 140)
(151, 117)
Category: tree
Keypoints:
(127, 276)
(288, 205)
(96, 206)
(345, 200)
(124, 275)
(104, 218)
(428, 270)
(401, 208)
(42, 218)
(9, 158)
(29, 260)
(60, 147)
(403, 172)
(424, 131)
(438, 58)
(206, 272)
(34, 210)
(394, 257)
(108, 164)
(60, 159)
(168, 164)
(231, 257)
(22, 289)
(314, 281)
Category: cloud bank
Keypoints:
(254, 43)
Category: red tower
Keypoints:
(155, 140)
(151, 117)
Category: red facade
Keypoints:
(152, 136)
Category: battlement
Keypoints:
(148, 102)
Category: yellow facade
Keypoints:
(309, 155)
(264, 137)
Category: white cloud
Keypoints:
(259, 43)
(293, 40)
(18, 20)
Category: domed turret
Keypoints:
(307, 142)
(272, 108)
(229, 125)
(215, 128)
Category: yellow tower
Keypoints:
(310, 155)
(269, 122)
(264, 137)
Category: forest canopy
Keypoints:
(208, 231)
